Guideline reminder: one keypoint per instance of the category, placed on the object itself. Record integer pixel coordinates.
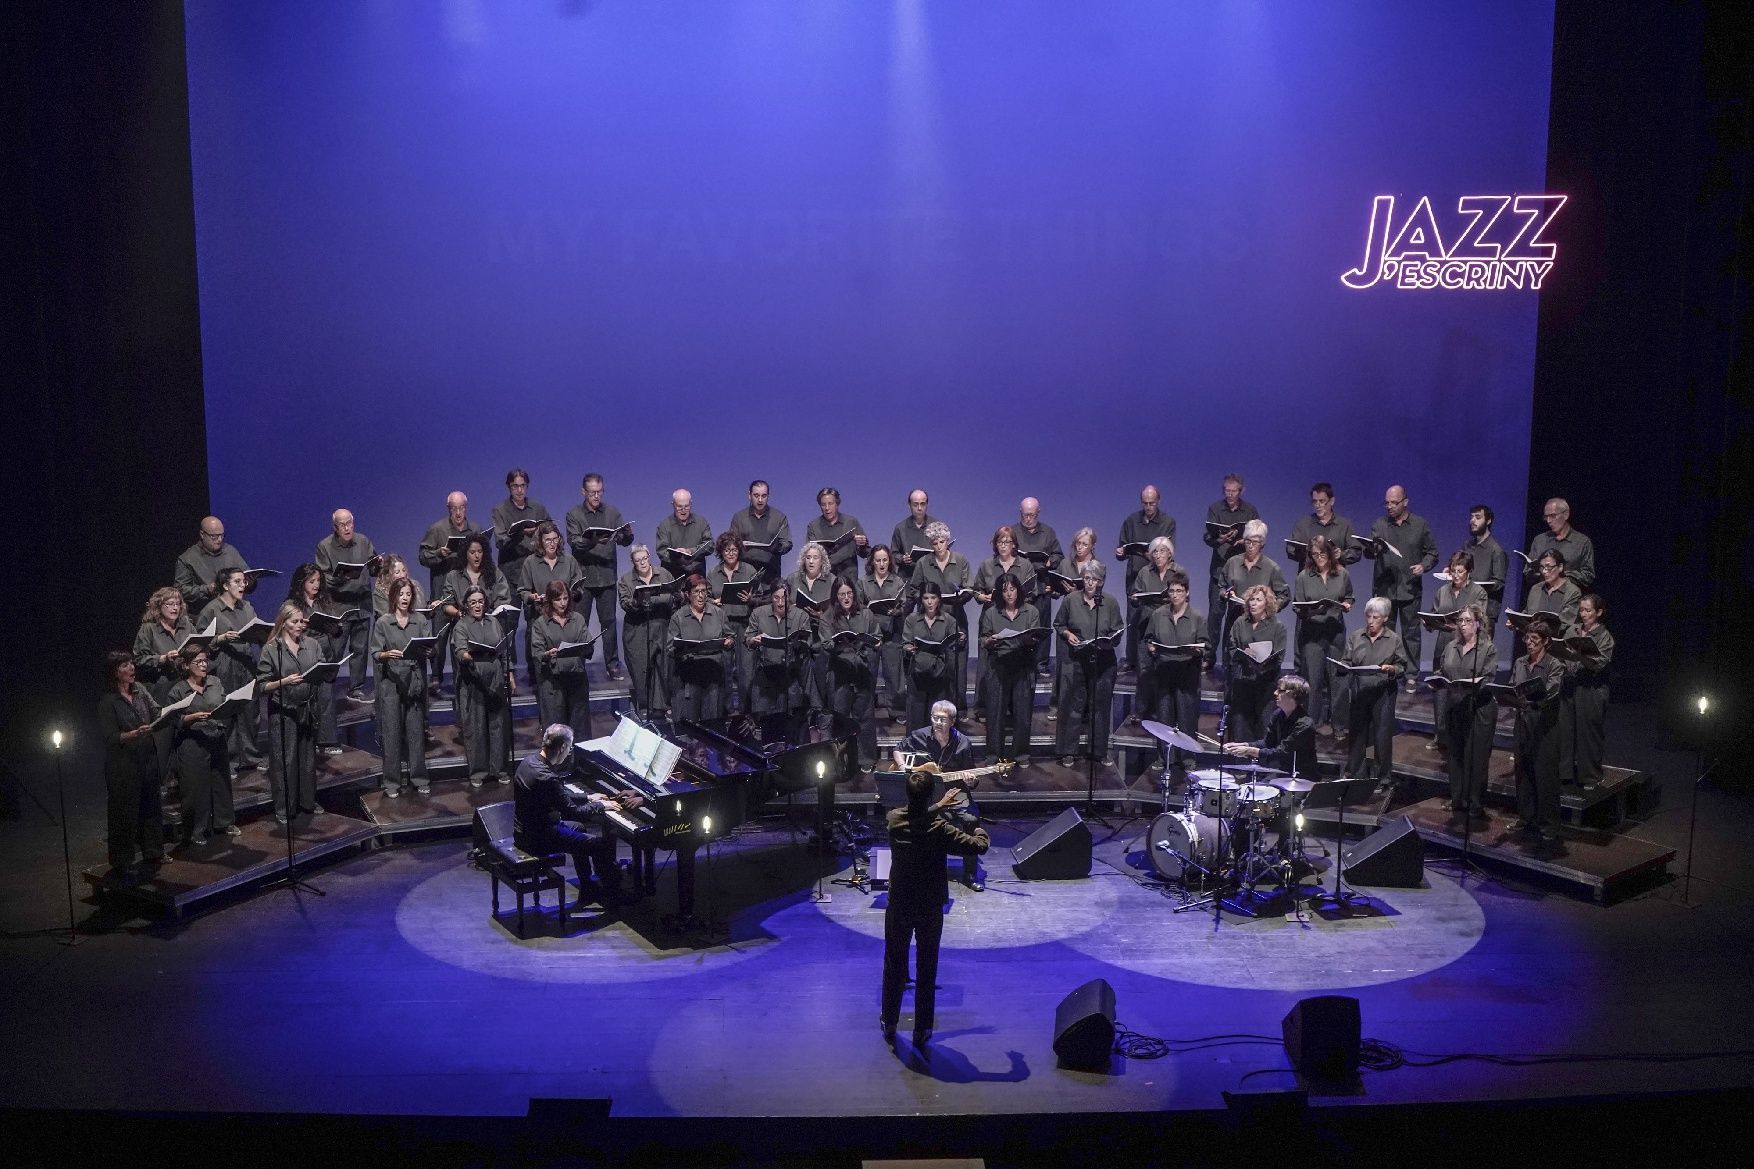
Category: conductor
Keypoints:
(920, 838)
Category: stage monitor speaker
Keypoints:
(1084, 1026)
(1392, 856)
(1057, 851)
(1321, 1036)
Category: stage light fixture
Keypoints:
(57, 738)
(1704, 704)
(706, 825)
(1299, 822)
(821, 769)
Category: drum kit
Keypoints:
(1239, 827)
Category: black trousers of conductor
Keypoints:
(923, 927)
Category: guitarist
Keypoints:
(943, 749)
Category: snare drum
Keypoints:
(1178, 840)
(1210, 793)
(1258, 801)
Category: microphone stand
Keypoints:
(291, 879)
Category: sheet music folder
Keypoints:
(638, 749)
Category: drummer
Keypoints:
(1289, 746)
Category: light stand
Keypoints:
(1703, 705)
(72, 938)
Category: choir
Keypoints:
(853, 615)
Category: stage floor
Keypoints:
(396, 992)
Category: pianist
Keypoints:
(546, 819)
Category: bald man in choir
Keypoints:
(1323, 520)
(348, 562)
(1039, 544)
(1577, 552)
(908, 542)
(441, 551)
(1137, 532)
(1410, 553)
(198, 567)
(683, 538)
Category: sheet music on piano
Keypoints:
(640, 749)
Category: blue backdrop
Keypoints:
(989, 249)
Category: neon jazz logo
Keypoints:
(1496, 242)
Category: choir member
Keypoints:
(1040, 545)
(292, 712)
(1175, 678)
(1469, 661)
(594, 530)
(548, 563)
(1321, 628)
(929, 641)
(483, 698)
(125, 714)
(1322, 520)
(516, 508)
(1252, 680)
(777, 686)
(699, 638)
(884, 584)
(350, 589)
(163, 629)
(1371, 721)
(400, 698)
(769, 531)
(441, 560)
(1583, 711)
(1085, 625)
(1576, 552)
(1453, 596)
(1537, 732)
(1223, 534)
(683, 538)
(1250, 567)
(311, 595)
(1083, 553)
(1146, 593)
(909, 541)
(1010, 671)
(1555, 592)
(1138, 530)
(563, 688)
(951, 572)
(852, 660)
(732, 584)
(1005, 558)
(1491, 563)
(831, 526)
(203, 762)
(645, 625)
(233, 659)
(811, 587)
(1400, 570)
(477, 571)
(393, 568)
(197, 569)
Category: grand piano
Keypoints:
(700, 780)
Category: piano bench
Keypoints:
(524, 873)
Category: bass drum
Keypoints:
(1180, 839)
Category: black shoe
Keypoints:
(888, 1029)
(613, 672)
(357, 695)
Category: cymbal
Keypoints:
(1253, 769)
(1293, 787)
